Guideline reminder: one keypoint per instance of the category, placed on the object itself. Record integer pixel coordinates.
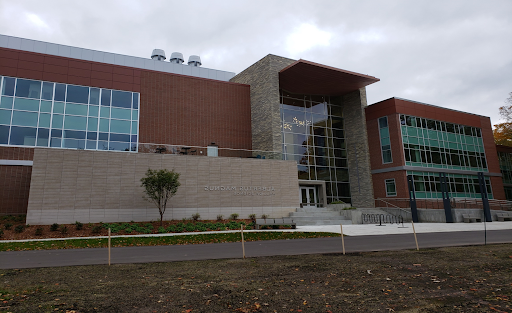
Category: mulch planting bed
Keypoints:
(460, 279)
(14, 228)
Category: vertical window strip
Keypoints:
(385, 142)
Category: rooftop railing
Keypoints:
(204, 151)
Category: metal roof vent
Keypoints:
(158, 54)
(176, 57)
(194, 60)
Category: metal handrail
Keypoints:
(434, 203)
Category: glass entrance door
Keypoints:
(308, 197)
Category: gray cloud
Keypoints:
(456, 54)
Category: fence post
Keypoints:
(342, 238)
(109, 247)
(243, 246)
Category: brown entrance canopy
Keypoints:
(305, 77)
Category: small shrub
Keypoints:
(79, 225)
(264, 216)
(39, 231)
(190, 227)
(233, 226)
(8, 226)
(338, 202)
(220, 217)
(196, 216)
(275, 226)
(20, 218)
(161, 230)
(19, 229)
(96, 229)
(171, 229)
(350, 208)
(223, 227)
(233, 216)
(252, 217)
(54, 227)
(128, 230)
(63, 229)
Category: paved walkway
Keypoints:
(360, 238)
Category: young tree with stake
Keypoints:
(160, 186)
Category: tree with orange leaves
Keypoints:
(503, 131)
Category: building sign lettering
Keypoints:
(244, 190)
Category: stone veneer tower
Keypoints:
(272, 73)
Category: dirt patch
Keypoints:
(461, 279)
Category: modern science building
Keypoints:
(79, 128)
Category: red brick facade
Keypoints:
(15, 181)
(392, 108)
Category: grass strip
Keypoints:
(158, 241)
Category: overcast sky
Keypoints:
(454, 54)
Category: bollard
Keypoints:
(342, 238)
(415, 238)
(243, 246)
(109, 247)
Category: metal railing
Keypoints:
(382, 218)
(203, 151)
(456, 203)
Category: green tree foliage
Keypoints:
(160, 186)
(503, 131)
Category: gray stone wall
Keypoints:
(263, 76)
(94, 186)
(358, 154)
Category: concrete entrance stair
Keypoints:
(319, 216)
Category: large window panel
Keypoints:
(6, 102)
(60, 92)
(4, 134)
(77, 94)
(8, 86)
(44, 120)
(26, 104)
(121, 99)
(47, 93)
(75, 122)
(94, 97)
(121, 113)
(22, 118)
(28, 88)
(5, 117)
(43, 136)
(23, 136)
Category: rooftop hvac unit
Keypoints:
(176, 57)
(158, 54)
(194, 60)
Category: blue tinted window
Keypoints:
(74, 144)
(56, 133)
(46, 106)
(93, 110)
(74, 134)
(44, 120)
(119, 146)
(92, 135)
(28, 88)
(121, 113)
(24, 118)
(23, 136)
(121, 99)
(92, 124)
(104, 125)
(57, 121)
(58, 107)
(60, 92)
(134, 127)
(135, 100)
(119, 137)
(26, 104)
(119, 126)
(8, 87)
(102, 145)
(105, 111)
(134, 138)
(77, 94)
(5, 117)
(4, 134)
(103, 136)
(135, 115)
(47, 91)
(90, 145)
(94, 96)
(42, 137)
(76, 109)
(105, 97)
(55, 142)
(6, 102)
(75, 122)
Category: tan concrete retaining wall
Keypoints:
(94, 186)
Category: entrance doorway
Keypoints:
(308, 197)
